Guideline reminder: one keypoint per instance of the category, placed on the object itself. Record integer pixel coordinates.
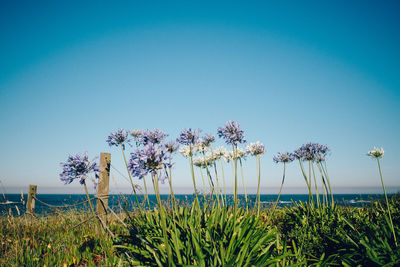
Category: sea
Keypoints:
(46, 204)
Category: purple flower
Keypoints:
(188, 137)
(152, 137)
(311, 151)
(149, 159)
(207, 140)
(285, 157)
(78, 167)
(117, 138)
(171, 147)
(232, 133)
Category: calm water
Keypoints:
(117, 202)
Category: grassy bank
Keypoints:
(299, 235)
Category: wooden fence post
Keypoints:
(30, 204)
(103, 186)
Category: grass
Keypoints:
(293, 236)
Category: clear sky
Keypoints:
(289, 72)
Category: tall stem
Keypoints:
(315, 183)
(163, 219)
(244, 186)
(130, 178)
(329, 183)
(387, 202)
(235, 190)
(223, 177)
(280, 190)
(258, 185)
(311, 200)
(87, 195)
(192, 171)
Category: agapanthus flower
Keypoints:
(171, 147)
(284, 157)
(154, 137)
(219, 152)
(255, 149)
(199, 147)
(376, 153)
(117, 138)
(202, 162)
(137, 133)
(232, 133)
(241, 154)
(188, 137)
(185, 151)
(208, 139)
(148, 159)
(78, 167)
(311, 151)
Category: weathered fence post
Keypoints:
(30, 204)
(103, 186)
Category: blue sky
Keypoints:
(289, 72)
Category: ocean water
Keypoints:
(16, 204)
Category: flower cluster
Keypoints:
(208, 139)
(220, 152)
(137, 133)
(241, 154)
(152, 137)
(117, 138)
(171, 147)
(232, 133)
(188, 137)
(255, 149)
(376, 153)
(185, 151)
(78, 167)
(311, 151)
(149, 159)
(284, 157)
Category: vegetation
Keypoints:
(298, 235)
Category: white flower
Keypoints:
(229, 155)
(255, 148)
(200, 147)
(185, 151)
(376, 153)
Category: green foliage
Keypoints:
(215, 237)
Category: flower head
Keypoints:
(171, 147)
(232, 133)
(376, 153)
(117, 138)
(149, 159)
(188, 137)
(284, 157)
(78, 167)
(311, 151)
(185, 151)
(220, 152)
(208, 139)
(255, 149)
(137, 133)
(154, 137)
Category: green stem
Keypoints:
(130, 178)
(223, 177)
(280, 190)
(244, 187)
(235, 189)
(311, 200)
(258, 185)
(329, 183)
(315, 183)
(163, 219)
(192, 171)
(387, 202)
